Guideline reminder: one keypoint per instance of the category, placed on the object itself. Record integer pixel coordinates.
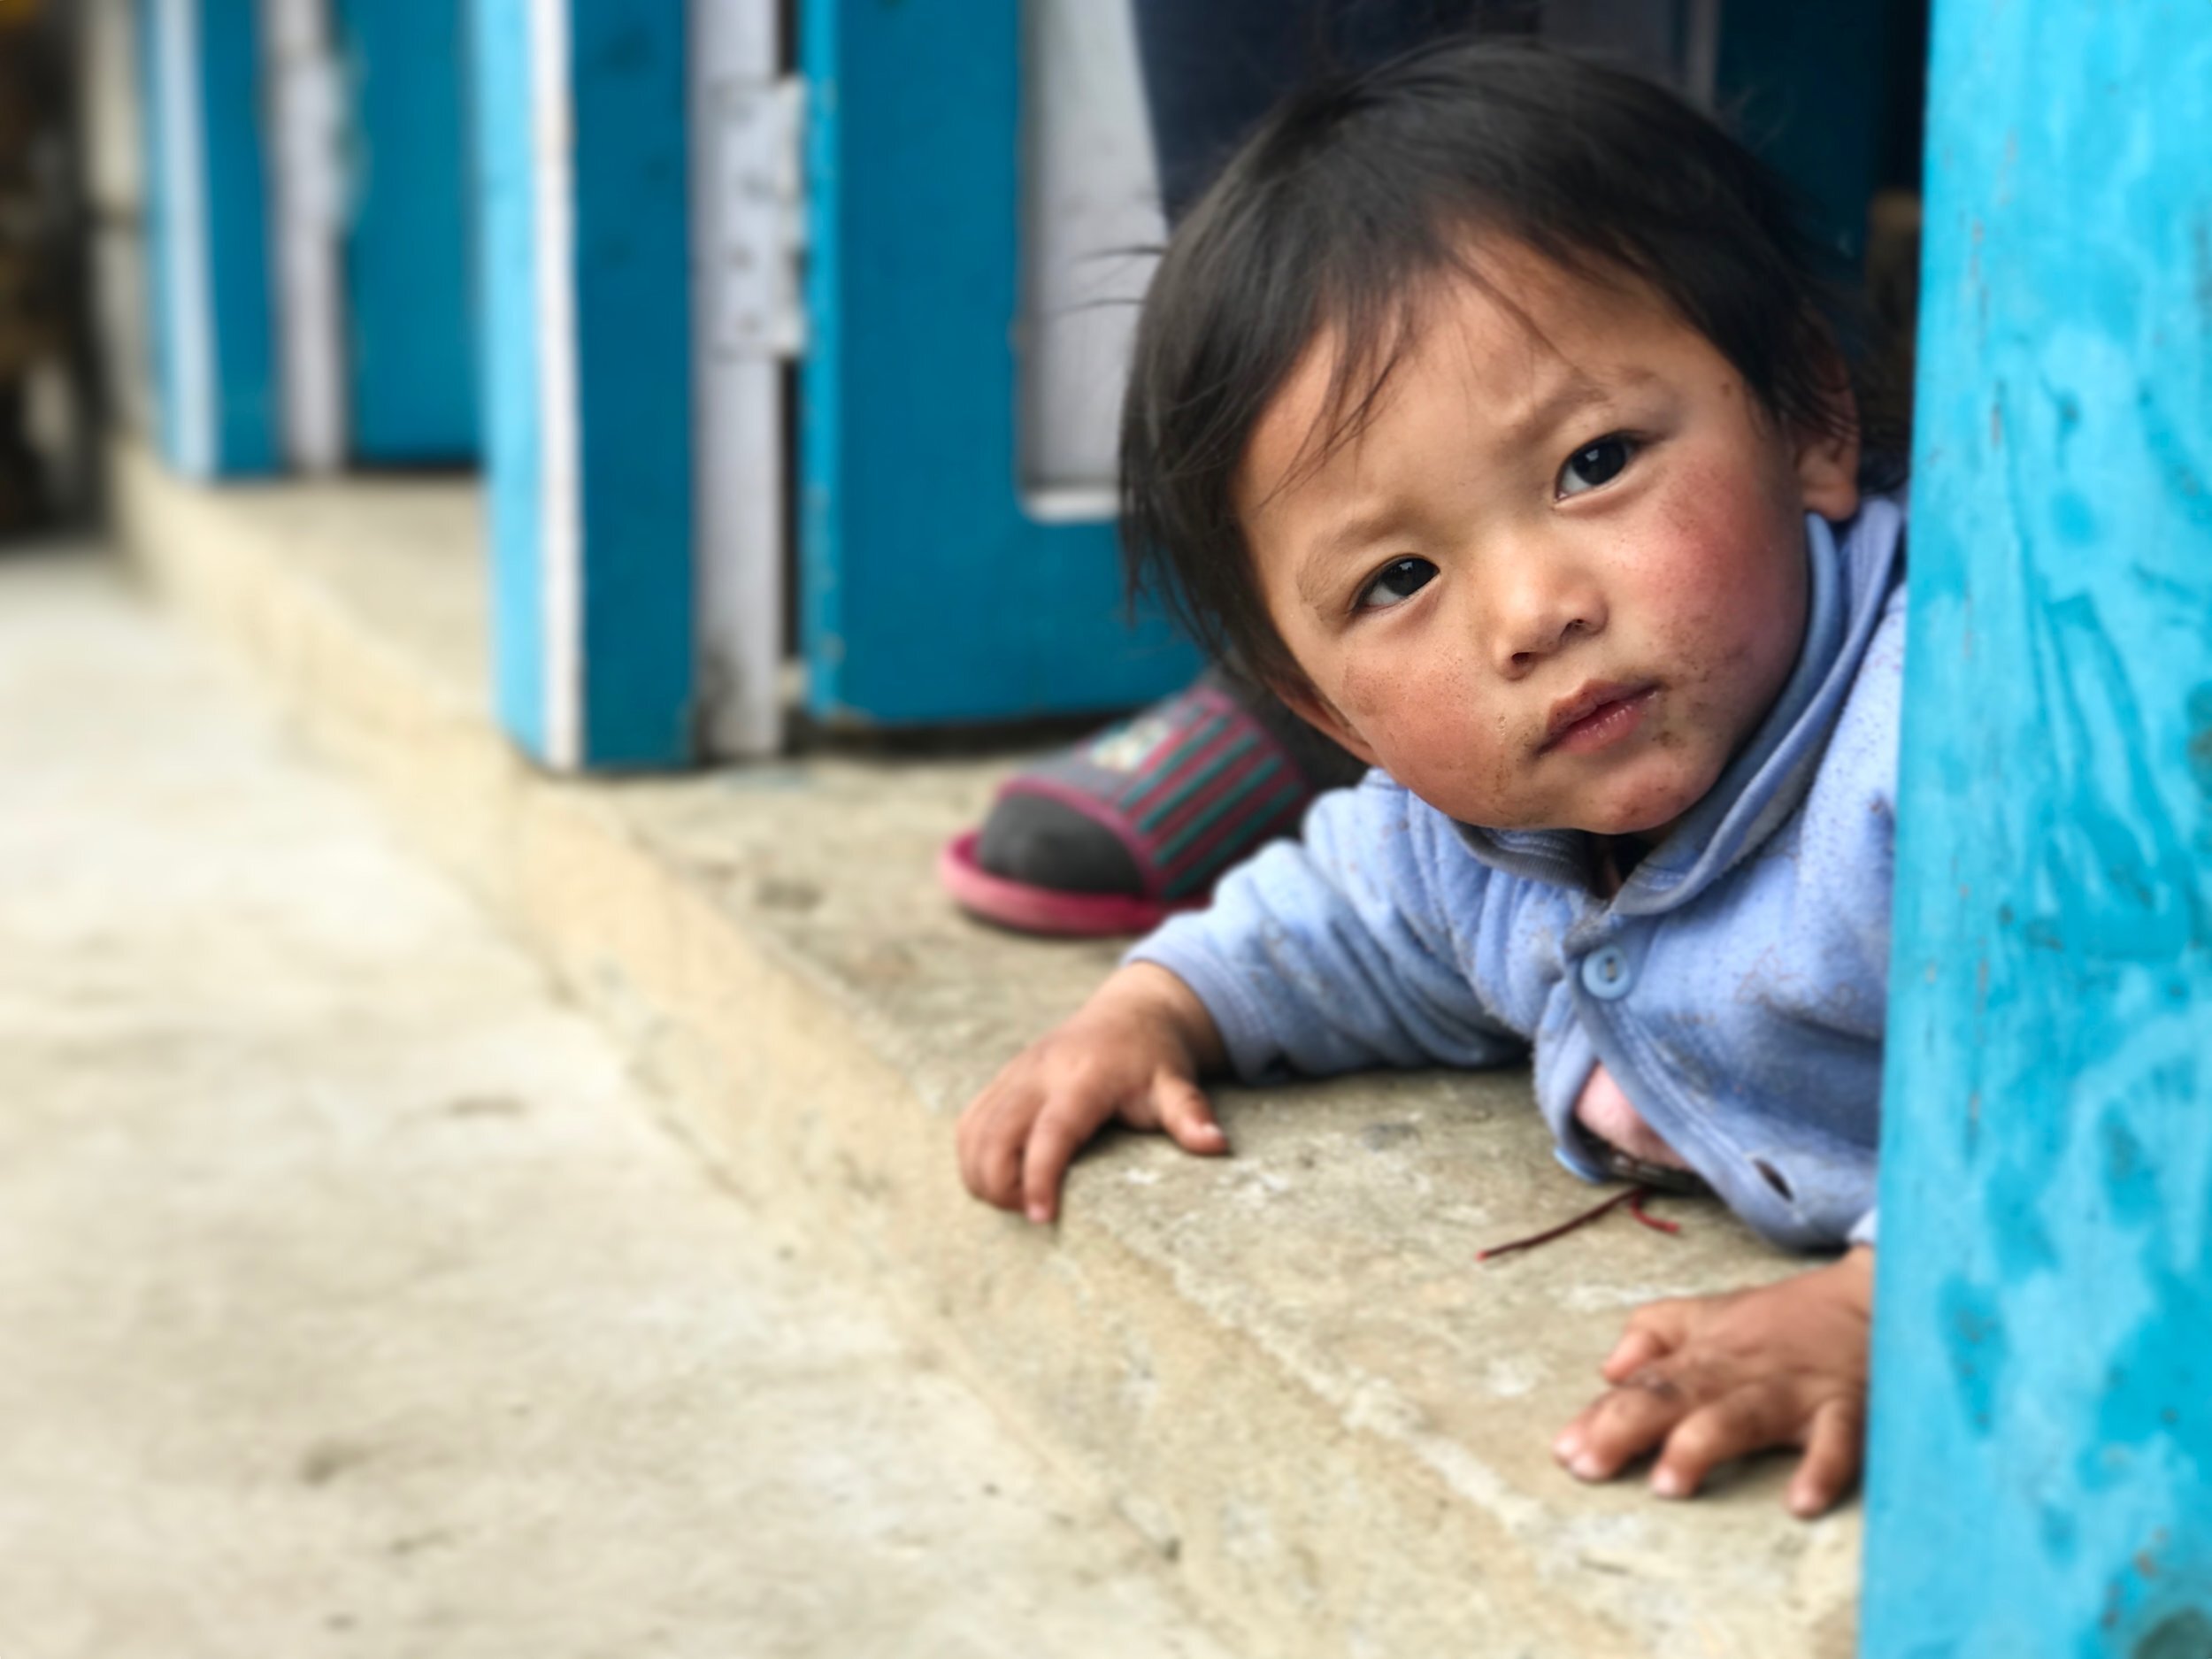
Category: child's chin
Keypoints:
(1649, 817)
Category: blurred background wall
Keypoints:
(47, 418)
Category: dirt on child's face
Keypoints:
(1559, 577)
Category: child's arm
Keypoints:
(1354, 946)
(1320, 955)
(1714, 1378)
(1134, 1051)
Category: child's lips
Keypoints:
(1596, 718)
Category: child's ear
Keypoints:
(1828, 453)
(1828, 471)
(1323, 716)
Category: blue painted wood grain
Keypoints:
(926, 593)
(410, 328)
(512, 438)
(2042, 1440)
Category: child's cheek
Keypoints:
(1732, 646)
(1726, 575)
(1385, 690)
(1437, 735)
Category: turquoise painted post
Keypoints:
(2041, 1476)
(931, 590)
(582, 178)
(214, 329)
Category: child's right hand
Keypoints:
(1134, 1051)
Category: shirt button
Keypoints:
(1606, 973)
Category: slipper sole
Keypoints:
(1034, 910)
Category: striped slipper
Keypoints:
(1126, 828)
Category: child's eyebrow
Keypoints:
(1572, 392)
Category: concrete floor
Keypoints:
(352, 1306)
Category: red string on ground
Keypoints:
(1636, 1209)
(1634, 1198)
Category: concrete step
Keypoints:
(1287, 1366)
(355, 1307)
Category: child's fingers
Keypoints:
(1653, 1332)
(1833, 1449)
(990, 1144)
(1188, 1117)
(1054, 1138)
(1622, 1424)
(1639, 1347)
(1735, 1426)
(967, 1141)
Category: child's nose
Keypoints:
(1535, 613)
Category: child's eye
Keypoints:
(1395, 583)
(1595, 463)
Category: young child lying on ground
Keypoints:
(1486, 408)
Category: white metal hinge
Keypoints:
(755, 244)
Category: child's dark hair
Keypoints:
(1354, 197)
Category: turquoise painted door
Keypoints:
(936, 584)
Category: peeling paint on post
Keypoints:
(2042, 1443)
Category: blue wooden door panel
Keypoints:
(581, 143)
(632, 260)
(2042, 1434)
(214, 325)
(928, 592)
(411, 313)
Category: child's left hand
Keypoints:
(1714, 1378)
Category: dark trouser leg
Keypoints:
(1212, 68)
